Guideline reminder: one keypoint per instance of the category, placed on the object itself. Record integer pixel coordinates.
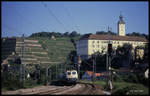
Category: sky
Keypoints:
(22, 17)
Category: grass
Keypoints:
(129, 88)
(124, 88)
(28, 84)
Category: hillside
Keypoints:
(59, 49)
(33, 51)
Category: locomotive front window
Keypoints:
(73, 73)
(69, 73)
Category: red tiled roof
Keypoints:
(90, 73)
(114, 37)
(97, 74)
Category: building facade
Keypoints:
(89, 44)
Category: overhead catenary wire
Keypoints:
(52, 14)
(13, 29)
(27, 21)
(72, 19)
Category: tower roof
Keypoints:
(121, 20)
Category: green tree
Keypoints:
(74, 34)
(123, 56)
(145, 57)
(66, 34)
(104, 33)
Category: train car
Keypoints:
(71, 76)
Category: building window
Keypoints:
(93, 51)
(98, 46)
(97, 41)
(118, 42)
(93, 41)
(93, 46)
(104, 41)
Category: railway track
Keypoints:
(56, 90)
(79, 88)
(89, 89)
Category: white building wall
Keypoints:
(88, 47)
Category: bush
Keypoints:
(143, 80)
(117, 78)
(10, 81)
(130, 78)
(130, 89)
(11, 84)
(127, 78)
(30, 83)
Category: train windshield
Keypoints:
(73, 73)
(69, 73)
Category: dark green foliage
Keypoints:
(130, 77)
(86, 64)
(10, 82)
(138, 34)
(101, 60)
(29, 83)
(72, 55)
(146, 54)
(133, 78)
(117, 78)
(66, 34)
(116, 62)
(123, 56)
(41, 34)
(104, 33)
(73, 42)
(132, 89)
(56, 34)
(74, 34)
(143, 80)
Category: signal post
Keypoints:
(108, 67)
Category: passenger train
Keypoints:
(69, 77)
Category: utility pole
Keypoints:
(93, 68)
(79, 64)
(79, 71)
(56, 71)
(50, 74)
(22, 69)
(95, 64)
(47, 75)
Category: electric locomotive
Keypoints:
(71, 76)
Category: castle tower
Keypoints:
(121, 26)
